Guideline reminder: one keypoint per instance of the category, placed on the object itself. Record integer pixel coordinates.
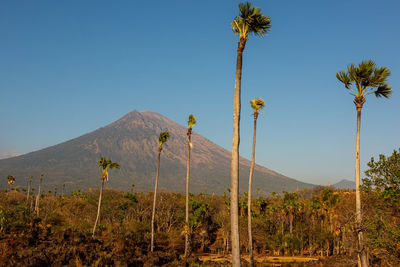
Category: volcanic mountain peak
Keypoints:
(132, 141)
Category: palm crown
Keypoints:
(106, 164)
(192, 120)
(257, 104)
(164, 136)
(11, 179)
(250, 20)
(366, 79)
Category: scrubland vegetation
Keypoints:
(319, 222)
(315, 222)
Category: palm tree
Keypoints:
(29, 187)
(256, 104)
(10, 181)
(63, 190)
(104, 164)
(361, 81)
(38, 195)
(249, 21)
(191, 122)
(164, 136)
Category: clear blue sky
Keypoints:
(70, 67)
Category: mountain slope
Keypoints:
(132, 141)
(345, 184)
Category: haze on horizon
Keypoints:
(69, 68)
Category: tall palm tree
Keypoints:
(361, 81)
(249, 21)
(164, 136)
(29, 187)
(104, 164)
(256, 104)
(10, 181)
(38, 196)
(191, 122)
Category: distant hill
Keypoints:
(345, 184)
(132, 141)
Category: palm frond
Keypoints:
(384, 90)
(114, 165)
(344, 78)
(380, 76)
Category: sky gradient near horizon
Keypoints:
(69, 68)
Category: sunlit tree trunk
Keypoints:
(28, 191)
(98, 207)
(249, 192)
(187, 241)
(37, 198)
(235, 158)
(154, 201)
(362, 255)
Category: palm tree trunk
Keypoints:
(291, 222)
(98, 207)
(253, 155)
(154, 201)
(27, 191)
(235, 158)
(37, 199)
(362, 255)
(187, 198)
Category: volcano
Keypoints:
(132, 141)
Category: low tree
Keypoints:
(382, 186)
(191, 122)
(38, 196)
(10, 181)
(383, 178)
(104, 164)
(164, 136)
(361, 81)
(256, 105)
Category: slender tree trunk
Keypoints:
(291, 222)
(37, 198)
(154, 201)
(98, 207)
(253, 155)
(362, 255)
(28, 191)
(235, 159)
(187, 241)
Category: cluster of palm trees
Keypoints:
(361, 80)
(11, 181)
